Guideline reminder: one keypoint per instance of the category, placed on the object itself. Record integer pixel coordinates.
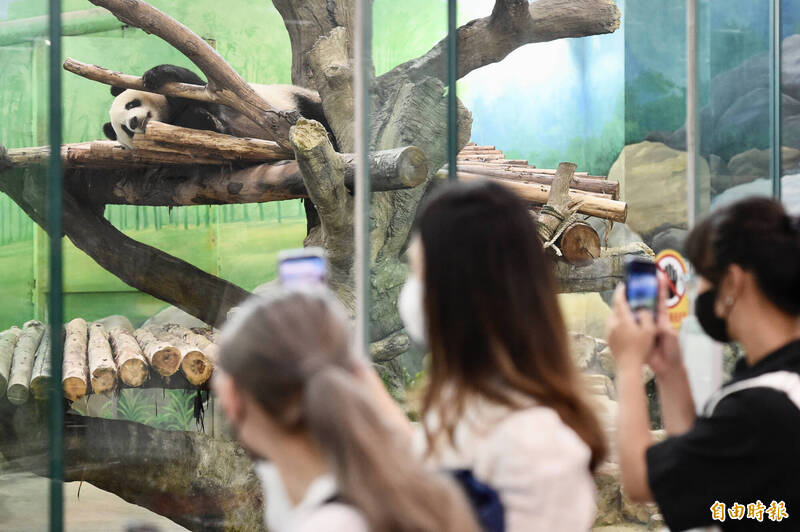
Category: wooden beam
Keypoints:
(580, 181)
(591, 205)
(211, 145)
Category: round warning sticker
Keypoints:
(672, 265)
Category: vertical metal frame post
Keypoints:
(691, 113)
(452, 78)
(363, 74)
(775, 96)
(54, 299)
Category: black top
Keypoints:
(747, 450)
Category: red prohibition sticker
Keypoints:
(673, 266)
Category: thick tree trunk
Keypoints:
(200, 482)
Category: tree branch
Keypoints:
(333, 78)
(306, 22)
(149, 269)
(128, 81)
(104, 154)
(227, 86)
(141, 266)
(604, 273)
(390, 347)
(324, 175)
(512, 24)
(113, 175)
(211, 143)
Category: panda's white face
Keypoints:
(131, 111)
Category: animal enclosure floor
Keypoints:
(24, 507)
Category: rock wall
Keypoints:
(652, 179)
(614, 509)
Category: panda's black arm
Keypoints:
(158, 76)
(182, 111)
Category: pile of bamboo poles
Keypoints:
(102, 356)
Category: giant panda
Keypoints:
(132, 109)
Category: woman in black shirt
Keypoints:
(737, 465)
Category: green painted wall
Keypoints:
(238, 242)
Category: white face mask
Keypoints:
(412, 311)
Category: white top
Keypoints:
(536, 463)
(313, 513)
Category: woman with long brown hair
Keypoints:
(287, 382)
(504, 399)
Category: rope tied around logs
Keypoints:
(549, 235)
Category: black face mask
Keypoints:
(716, 328)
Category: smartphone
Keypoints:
(302, 266)
(641, 285)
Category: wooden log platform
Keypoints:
(491, 162)
(103, 357)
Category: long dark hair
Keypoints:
(494, 323)
(758, 235)
(291, 351)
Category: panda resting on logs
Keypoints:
(132, 109)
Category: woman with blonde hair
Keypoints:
(287, 383)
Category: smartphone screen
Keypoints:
(641, 285)
(304, 266)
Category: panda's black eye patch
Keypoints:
(133, 103)
(127, 131)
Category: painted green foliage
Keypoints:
(162, 409)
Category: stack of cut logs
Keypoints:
(101, 356)
(577, 242)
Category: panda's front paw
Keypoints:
(156, 77)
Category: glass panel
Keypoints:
(734, 121)
(655, 155)
(25, 369)
(790, 99)
(165, 239)
(186, 234)
(410, 114)
(575, 100)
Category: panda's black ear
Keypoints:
(116, 91)
(108, 129)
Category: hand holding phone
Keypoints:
(302, 266)
(641, 285)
